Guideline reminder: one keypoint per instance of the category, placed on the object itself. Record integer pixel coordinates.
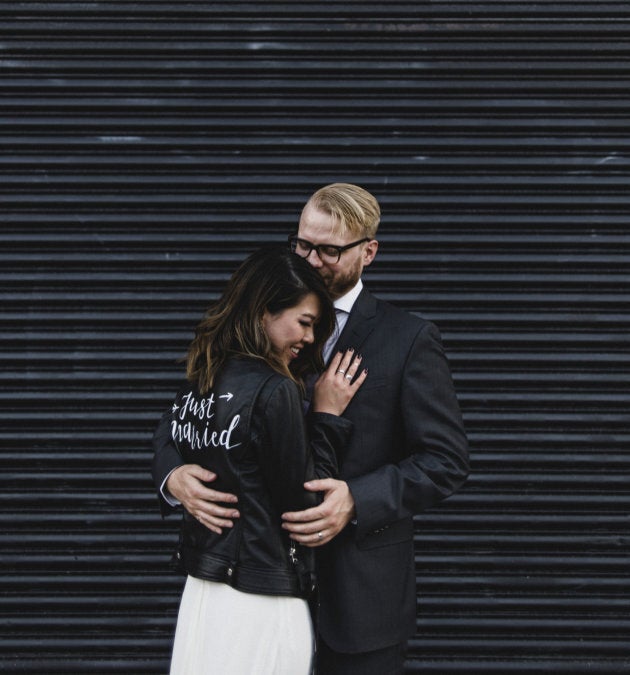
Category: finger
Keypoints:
(353, 367)
(311, 541)
(209, 524)
(360, 379)
(211, 520)
(319, 485)
(196, 471)
(306, 516)
(333, 366)
(202, 474)
(211, 495)
(217, 522)
(345, 361)
(320, 537)
(305, 529)
(211, 510)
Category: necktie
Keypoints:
(330, 343)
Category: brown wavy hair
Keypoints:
(271, 279)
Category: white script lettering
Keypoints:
(202, 409)
(199, 440)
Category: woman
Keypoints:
(244, 607)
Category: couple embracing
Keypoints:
(323, 419)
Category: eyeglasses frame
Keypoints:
(315, 247)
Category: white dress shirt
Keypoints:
(343, 306)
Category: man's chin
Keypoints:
(337, 288)
(329, 281)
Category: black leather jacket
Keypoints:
(251, 431)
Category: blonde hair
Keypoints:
(352, 208)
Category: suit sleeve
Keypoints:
(436, 447)
(295, 450)
(166, 458)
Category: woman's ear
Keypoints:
(263, 321)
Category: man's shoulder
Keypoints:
(393, 315)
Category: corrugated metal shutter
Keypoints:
(148, 146)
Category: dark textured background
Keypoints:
(147, 147)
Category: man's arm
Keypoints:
(185, 483)
(437, 463)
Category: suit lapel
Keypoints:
(360, 323)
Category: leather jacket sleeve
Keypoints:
(295, 450)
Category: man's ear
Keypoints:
(369, 252)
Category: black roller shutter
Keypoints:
(146, 147)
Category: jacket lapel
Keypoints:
(360, 323)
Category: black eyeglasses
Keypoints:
(326, 252)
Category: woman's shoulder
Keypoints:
(251, 376)
(248, 367)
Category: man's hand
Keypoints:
(186, 484)
(318, 525)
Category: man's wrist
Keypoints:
(166, 494)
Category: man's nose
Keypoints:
(314, 259)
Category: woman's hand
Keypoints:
(337, 385)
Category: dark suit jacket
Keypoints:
(408, 451)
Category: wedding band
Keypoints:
(320, 535)
(343, 372)
(348, 376)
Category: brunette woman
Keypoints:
(240, 415)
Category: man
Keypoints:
(408, 451)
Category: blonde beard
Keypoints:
(339, 285)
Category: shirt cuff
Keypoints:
(166, 495)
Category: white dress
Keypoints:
(222, 631)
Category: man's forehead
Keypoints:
(319, 227)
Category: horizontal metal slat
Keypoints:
(148, 146)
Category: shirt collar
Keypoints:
(346, 302)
